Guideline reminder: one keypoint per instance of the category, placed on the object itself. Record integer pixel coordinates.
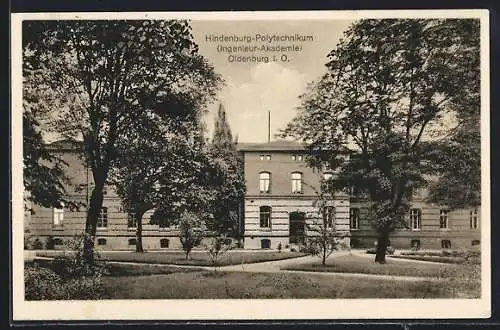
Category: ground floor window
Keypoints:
(443, 219)
(131, 220)
(474, 220)
(101, 241)
(265, 216)
(415, 218)
(476, 242)
(354, 217)
(132, 241)
(102, 220)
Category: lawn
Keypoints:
(240, 285)
(365, 265)
(198, 258)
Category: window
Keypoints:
(443, 219)
(446, 244)
(102, 220)
(105, 190)
(297, 157)
(328, 216)
(296, 182)
(265, 157)
(415, 217)
(265, 244)
(164, 243)
(294, 157)
(58, 215)
(354, 217)
(265, 216)
(265, 182)
(131, 220)
(475, 242)
(132, 241)
(101, 241)
(474, 220)
(415, 244)
(58, 241)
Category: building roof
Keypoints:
(277, 145)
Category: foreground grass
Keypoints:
(364, 265)
(198, 258)
(239, 285)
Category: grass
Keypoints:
(239, 285)
(197, 258)
(364, 265)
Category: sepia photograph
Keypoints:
(251, 165)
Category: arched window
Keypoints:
(132, 241)
(101, 241)
(415, 219)
(296, 182)
(164, 243)
(265, 182)
(102, 220)
(265, 243)
(265, 216)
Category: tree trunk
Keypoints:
(382, 242)
(138, 234)
(94, 209)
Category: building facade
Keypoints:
(278, 205)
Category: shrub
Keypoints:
(49, 244)
(217, 248)
(44, 284)
(32, 243)
(41, 284)
(74, 264)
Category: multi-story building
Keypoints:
(281, 190)
(279, 202)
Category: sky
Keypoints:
(254, 88)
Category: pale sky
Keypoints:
(253, 89)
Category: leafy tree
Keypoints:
(106, 77)
(191, 231)
(161, 174)
(43, 174)
(323, 238)
(389, 95)
(228, 179)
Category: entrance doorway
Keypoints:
(297, 227)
